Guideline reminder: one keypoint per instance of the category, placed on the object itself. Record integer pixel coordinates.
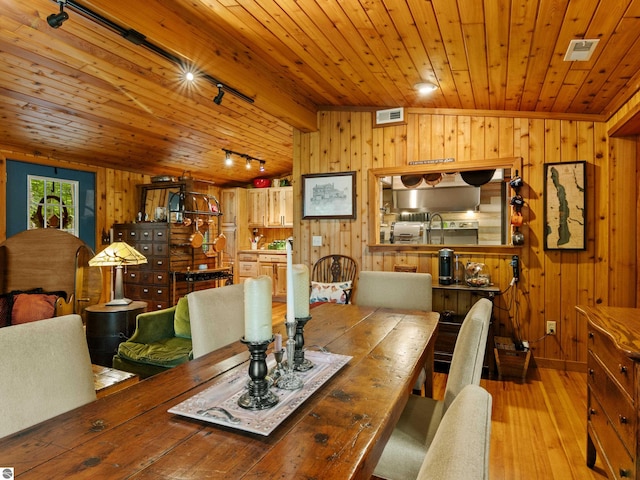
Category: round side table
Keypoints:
(108, 326)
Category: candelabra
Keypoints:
(301, 364)
(258, 397)
(290, 380)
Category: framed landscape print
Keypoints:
(329, 195)
(565, 213)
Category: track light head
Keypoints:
(55, 20)
(218, 98)
(261, 165)
(227, 158)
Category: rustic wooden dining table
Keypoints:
(339, 432)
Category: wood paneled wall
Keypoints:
(552, 282)
(117, 198)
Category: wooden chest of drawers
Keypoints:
(170, 260)
(151, 281)
(613, 364)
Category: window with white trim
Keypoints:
(53, 203)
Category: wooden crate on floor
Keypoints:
(511, 362)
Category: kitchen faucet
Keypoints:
(431, 217)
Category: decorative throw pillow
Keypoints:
(181, 322)
(29, 307)
(329, 292)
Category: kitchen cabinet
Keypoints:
(270, 207)
(613, 371)
(252, 264)
(257, 207)
(280, 207)
(275, 266)
(234, 225)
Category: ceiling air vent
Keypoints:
(580, 50)
(389, 116)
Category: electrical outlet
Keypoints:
(316, 241)
(551, 327)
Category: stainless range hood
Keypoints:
(452, 194)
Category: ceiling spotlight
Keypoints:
(261, 165)
(218, 99)
(425, 87)
(56, 20)
(248, 164)
(190, 76)
(227, 159)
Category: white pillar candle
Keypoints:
(257, 309)
(291, 315)
(301, 290)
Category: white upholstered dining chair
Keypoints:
(460, 447)
(410, 440)
(217, 317)
(395, 290)
(45, 370)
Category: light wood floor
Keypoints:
(538, 426)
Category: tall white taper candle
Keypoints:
(257, 309)
(301, 290)
(291, 314)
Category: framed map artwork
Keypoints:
(565, 214)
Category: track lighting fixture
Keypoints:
(56, 20)
(218, 98)
(228, 161)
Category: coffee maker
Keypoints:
(445, 270)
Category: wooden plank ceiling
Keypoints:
(84, 93)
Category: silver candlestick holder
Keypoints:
(278, 371)
(258, 397)
(301, 364)
(290, 380)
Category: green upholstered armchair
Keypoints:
(161, 341)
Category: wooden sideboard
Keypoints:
(613, 367)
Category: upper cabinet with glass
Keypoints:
(444, 203)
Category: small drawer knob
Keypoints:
(623, 420)
(625, 473)
(623, 369)
(592, 411)
(591, 335)
(591, 372)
